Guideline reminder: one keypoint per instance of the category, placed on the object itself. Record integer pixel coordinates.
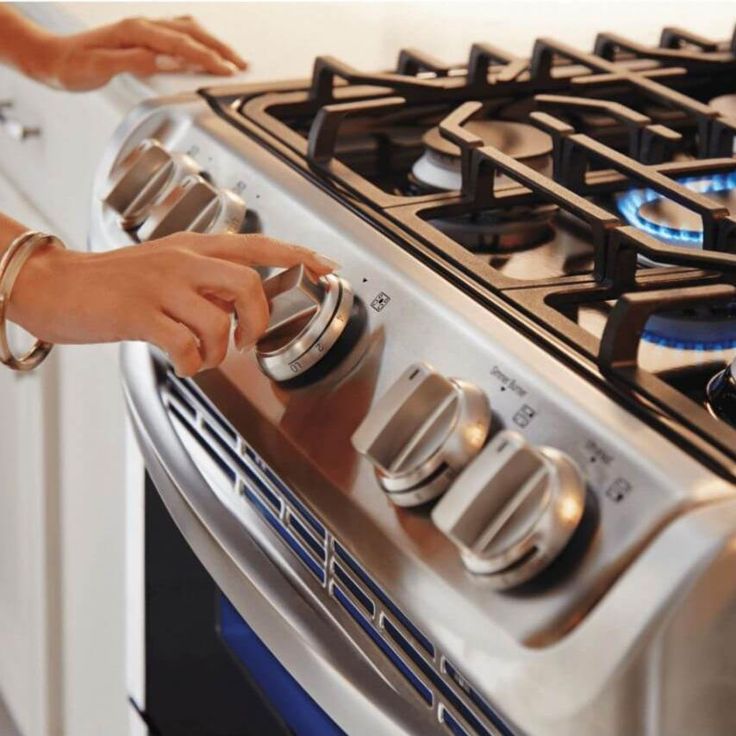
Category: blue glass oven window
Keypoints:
(298, 710)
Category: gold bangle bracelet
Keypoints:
(11, 263)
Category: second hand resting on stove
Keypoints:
(180, 292)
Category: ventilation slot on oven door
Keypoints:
(303, 535)
(344, 581)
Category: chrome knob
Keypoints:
(513, 510)
(307, 318)
(721, 394)
(193, 204)
(226, 216)
(142, 178)
(422, 432)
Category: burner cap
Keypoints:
(665, 215)
(519, 140)
(500, 231)
(439, 167)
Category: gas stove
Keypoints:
(482, 479)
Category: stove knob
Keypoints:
(307, 319)
(422, 432)
(513, 510)
(227, 215)
(195, 205)
(142, 178)
(721, 394)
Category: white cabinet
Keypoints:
(62, 491)
(29, 533)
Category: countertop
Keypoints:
(281, 39)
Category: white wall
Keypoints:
(281, 38)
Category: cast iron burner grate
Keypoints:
(631, 144)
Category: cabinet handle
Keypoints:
(13, 127)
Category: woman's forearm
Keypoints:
(10, 229)
(23, 44)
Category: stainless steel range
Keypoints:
(482, 480)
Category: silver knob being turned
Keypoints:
(422, 432)
(142, 178)
(308, 317)
(513, 509)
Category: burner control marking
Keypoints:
(618, 490)
(524, 416)
(380, 301)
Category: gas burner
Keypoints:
(710, 328)
(500, 231)
(647, 210)
(439, 166)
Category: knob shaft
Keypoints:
(307, 319)
(513, 510)
(422, 432)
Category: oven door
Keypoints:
(225, 618)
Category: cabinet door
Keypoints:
(29, 533)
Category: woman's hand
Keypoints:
(138, 46)
(179, 293)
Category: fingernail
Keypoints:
(327, 262)
(167, 63)
(232, 67)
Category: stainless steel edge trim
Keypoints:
(309, 646)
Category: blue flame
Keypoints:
(629, 205)
(631, 202)
(702, 345)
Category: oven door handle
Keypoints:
(312, 648)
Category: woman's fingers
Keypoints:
(111, 62)
(258, 250)
(213, 277)
(240, 286)
(210, 324)
(177, 341)
(187, 24)
(141, 32)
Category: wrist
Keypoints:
(38, 55)
(42, 268)
(23, 43)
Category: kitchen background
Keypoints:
(63, 451)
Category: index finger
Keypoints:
(187, 24)
(142, 32)
(259, 250)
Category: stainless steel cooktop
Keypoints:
(495, 453)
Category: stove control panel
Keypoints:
(422, 432)
(159, 193)
(513, 509)
(307, 321)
